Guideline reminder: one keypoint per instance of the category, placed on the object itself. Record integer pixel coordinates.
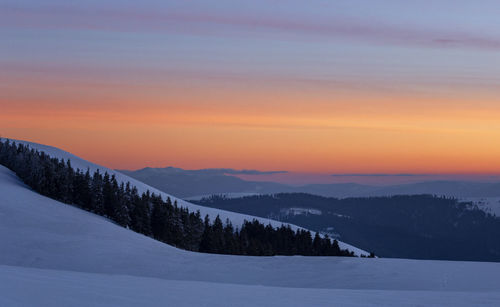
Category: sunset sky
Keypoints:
(304, 86)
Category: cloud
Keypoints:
(190, 22)
(230, 171)
(211, 171)
(377, 175)
(252, 172)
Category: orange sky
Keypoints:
(325, 87)
(305, 136)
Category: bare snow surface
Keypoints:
(63, 288)
(52, 254)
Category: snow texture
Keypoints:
(223, 195)
(34, 287)
(300, 211)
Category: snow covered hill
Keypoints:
(53, 254)
(489, 205)
(237, 219)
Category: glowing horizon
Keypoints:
(345, 87)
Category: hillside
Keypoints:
(404, 226)
(236, 218)
(57, 253)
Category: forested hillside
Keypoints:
(149, 214)
(418, 227)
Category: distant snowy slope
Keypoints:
(489, 205)
(224, 195)
(236, 218)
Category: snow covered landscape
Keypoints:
(249, 153)
(236, 218)
(53, 254)
(489, 205)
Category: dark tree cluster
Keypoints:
(149, 214)
(400, 226)
(256, 239)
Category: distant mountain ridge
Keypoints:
(188, 183)
(194, 183)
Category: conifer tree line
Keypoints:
(149, 214)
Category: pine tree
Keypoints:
(230, 245)
(159, 220)
(140, 220)
(206, 244)
(122, 215)
(96, 189)
(317, 246)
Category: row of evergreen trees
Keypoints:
(149, 214)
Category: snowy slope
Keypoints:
(32, 287)
(52, 254)
(489, 205)
(236, 218)
(225, 195)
